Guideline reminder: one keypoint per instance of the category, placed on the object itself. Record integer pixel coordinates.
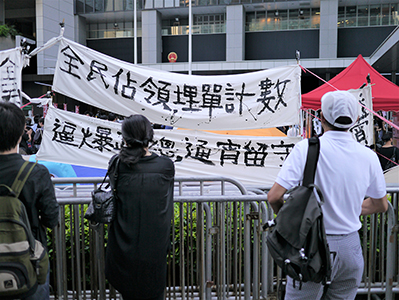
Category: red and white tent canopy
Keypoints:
(385, 93)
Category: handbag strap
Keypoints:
(311, 161)
(116, 175)
(116, 159)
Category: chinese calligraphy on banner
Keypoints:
(260, 99)
(78, 139)
(363, 130)
(11, 75)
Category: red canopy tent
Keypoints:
(385, 93)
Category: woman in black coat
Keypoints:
(139, 237)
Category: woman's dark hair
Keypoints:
(12, 125)
(137, 133)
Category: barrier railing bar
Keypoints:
(390, 252)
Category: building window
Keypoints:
(98, 4)
(202, 24)
(385, 8)
(368, 15)
(119, 29)
(288, 19)
(375, 15)
(80, 6)
(109, 5)
(90, 6)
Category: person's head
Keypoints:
(36, 119)
(88, 113)
(137, 132)
(28, 121)
(12, 126)
(340, 110)
(387, 137)
(41, 122)
(111, 117)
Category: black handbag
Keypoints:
(102, 207)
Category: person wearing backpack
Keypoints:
(389, 154)
(346, 173)
(37, 194)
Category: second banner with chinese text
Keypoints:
(77, 139)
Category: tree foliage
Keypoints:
(6, 31)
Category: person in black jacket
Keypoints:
(38, 194)
(37, 139)
(25, 146)
(388, 153)
(139, 237)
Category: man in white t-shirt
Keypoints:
(346, 173)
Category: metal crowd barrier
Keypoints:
(218, 246)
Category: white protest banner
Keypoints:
(363, 130)
(260, 99)
(11, 64)
(77, 139)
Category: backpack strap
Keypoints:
(116, 175)
(21, 178)
(311, 161)
(16, 187)
(308, 180)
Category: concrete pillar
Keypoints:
(2, 12)
(151, 40)
(80, 30)
(328, 42)
(235, 33)
(49, 14)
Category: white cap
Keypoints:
(339, 104)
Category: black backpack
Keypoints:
(297, 239)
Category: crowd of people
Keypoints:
(33, 132)
(139, 235)
(32, 136)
